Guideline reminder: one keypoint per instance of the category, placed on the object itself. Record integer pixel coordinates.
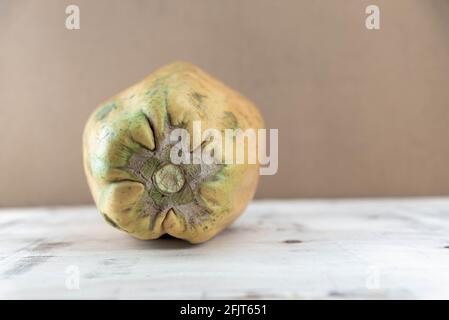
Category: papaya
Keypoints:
(127, 156)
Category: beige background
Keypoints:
(360, 113)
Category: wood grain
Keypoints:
(325, 249)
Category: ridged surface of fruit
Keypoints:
(126, 158)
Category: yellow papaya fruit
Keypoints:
(127, 156)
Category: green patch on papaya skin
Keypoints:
(157, 197)
(230, 120)
(111, 222)
(192, 170)
(104, 111)
(101, 163)
(198, 98)
(220, 175)
(185, 196)
(149, 167)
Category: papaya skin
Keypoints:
(126, 156)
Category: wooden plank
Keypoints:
(382, 248)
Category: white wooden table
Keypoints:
(337, 249)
